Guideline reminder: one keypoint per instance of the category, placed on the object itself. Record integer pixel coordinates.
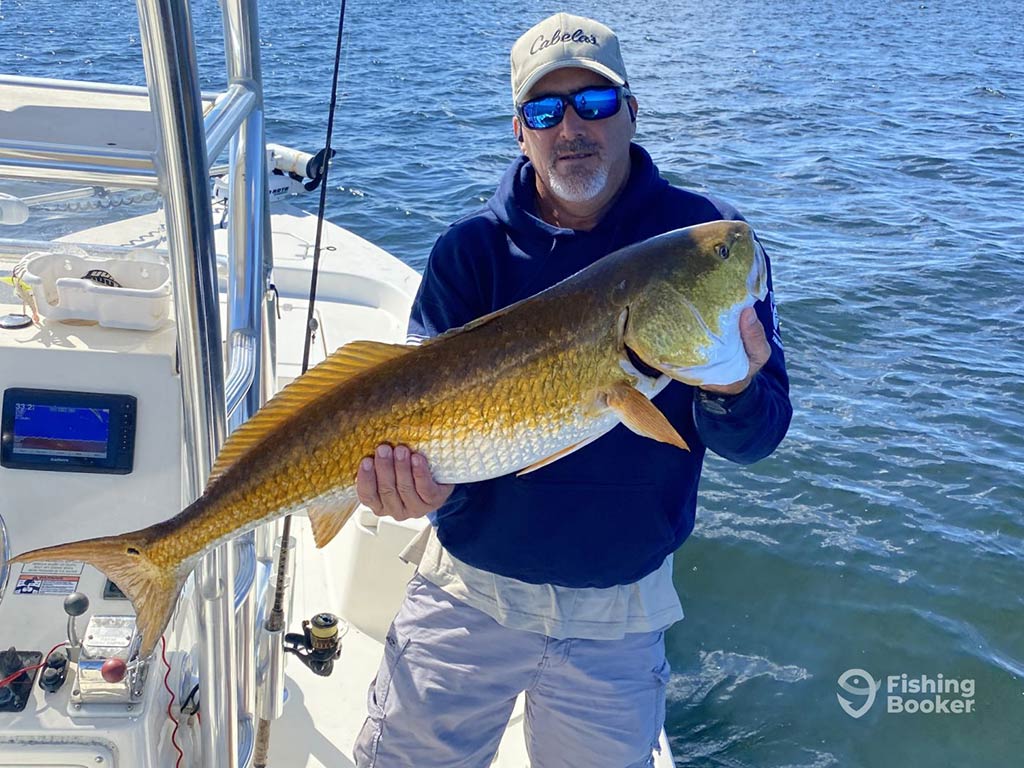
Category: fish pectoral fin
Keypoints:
(327, 518)
(642, 416)
(555, 456)
(345, 363)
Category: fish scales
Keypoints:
(512, 391)
(494, 421)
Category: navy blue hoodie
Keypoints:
(611, 512)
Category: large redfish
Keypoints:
(509, 392)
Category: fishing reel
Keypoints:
(319, 643)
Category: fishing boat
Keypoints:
(128, 350)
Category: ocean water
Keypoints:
(878, 149)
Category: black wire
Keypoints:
(323, 193)
(188, 699)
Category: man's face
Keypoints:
(578, 161)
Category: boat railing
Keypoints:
(169, 141)
(62, 156)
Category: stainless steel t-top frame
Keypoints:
(185, 143)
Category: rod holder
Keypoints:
(270, 675)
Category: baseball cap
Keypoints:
(561, 41)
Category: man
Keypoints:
(557, 583)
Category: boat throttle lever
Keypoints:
(75, 605)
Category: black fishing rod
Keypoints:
(275, 621)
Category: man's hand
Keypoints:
(397, 483)
(758, 351)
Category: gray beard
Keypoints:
(578, 187)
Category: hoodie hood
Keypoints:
(514, 203)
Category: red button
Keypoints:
(114, 670)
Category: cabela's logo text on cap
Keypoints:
(561, 41)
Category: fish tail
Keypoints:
(153, 589)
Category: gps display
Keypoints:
(65, 431)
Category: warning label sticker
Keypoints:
(52, 568)
(45, 584)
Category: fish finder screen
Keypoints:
(54, 430)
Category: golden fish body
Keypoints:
(509, 392)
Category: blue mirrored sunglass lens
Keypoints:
(596, 103)
(590, 104)
(543, 113)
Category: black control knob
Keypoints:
(76, 604)
(58, 659)
(52, 678)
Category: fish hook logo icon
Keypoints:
(859, 683)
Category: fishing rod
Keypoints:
(275, 621)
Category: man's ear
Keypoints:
(517, 129)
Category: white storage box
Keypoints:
(133, 292)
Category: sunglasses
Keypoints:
(594, 103)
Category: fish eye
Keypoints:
(723, 251)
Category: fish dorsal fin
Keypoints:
(345, 363)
